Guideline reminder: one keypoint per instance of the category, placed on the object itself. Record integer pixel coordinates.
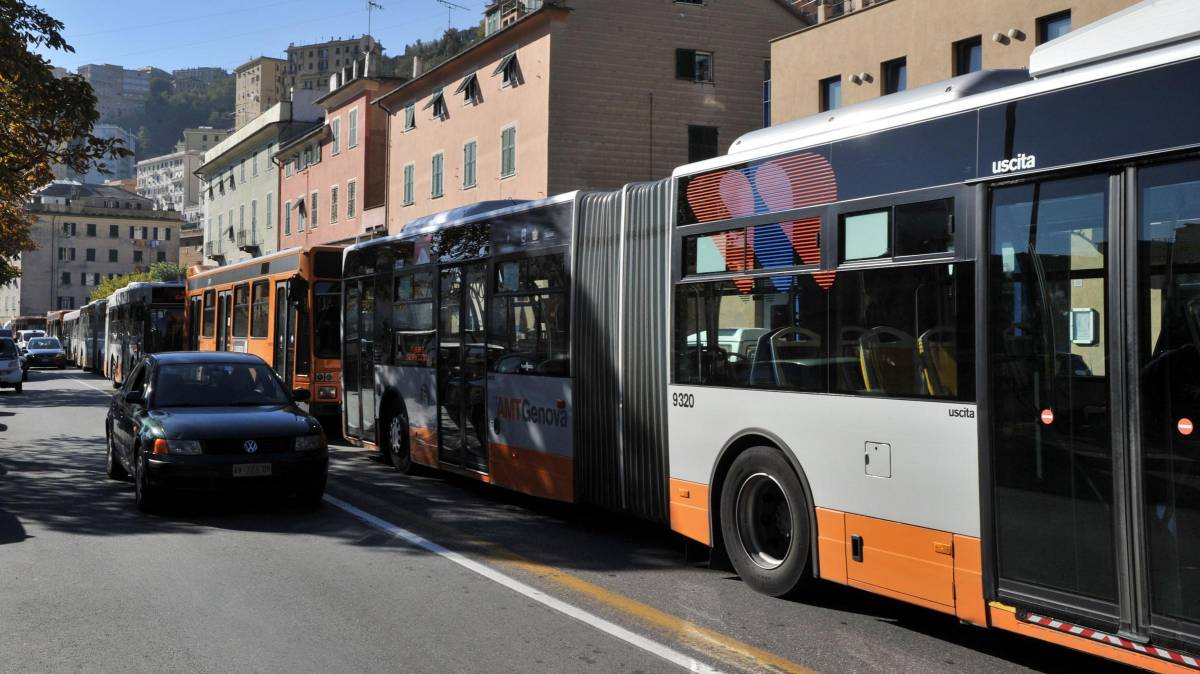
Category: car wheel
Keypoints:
(765, 522)
(17, 388)
(145, 496)
(396, 430)
(112, 465)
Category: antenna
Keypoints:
(371, 4)
(450, 7)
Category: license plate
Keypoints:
(251, 469)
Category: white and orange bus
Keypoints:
(141, 318)
(941, 346)
(283, 307)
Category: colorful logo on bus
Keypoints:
(781, 184)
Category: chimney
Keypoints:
(416, 67)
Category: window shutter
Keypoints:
(685, 64)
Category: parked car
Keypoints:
(12, 372)
(44, 352)
(191, 420)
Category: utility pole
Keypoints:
(450, 7)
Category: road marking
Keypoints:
(649, 645)
(95, 388)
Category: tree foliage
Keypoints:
(432, 53)
(159, 271)
(166, 113)
(44, 121)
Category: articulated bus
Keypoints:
(942, 346)
(284, 307)
(142, 318)
(87, 344)
(68, 326)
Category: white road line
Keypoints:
(104, 391)
(649, 645)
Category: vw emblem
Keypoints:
(251, 446)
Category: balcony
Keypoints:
(813, 12)
(247, 242)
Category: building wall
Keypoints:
(363, 164)
(191, 244)
(259, 86)
(170, 180)
(525, 106)
(201, 139)
(236, 197)
(310, 65)
(619, 113)
(41, 283)
(922, 31)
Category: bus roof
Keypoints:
(71, 315)
(119, 296)
(454, 217)
(200, 271)
(1165, 31)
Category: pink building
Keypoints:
(332, 179)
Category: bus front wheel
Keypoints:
(765, 522)
(396, 439)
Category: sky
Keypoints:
(170, 34)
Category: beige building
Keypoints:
(85, 233)
(259, 86)
(170, 180)
(579, 94)
(201, 139)
(191, 243)
(856, 50)
(310, 65)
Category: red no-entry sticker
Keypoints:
(1185, 426)
(1047, 417)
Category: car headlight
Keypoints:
(164, 446)
(308, 443)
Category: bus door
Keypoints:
(224, 309)
(351, 360)
(195, 311)
(462, 366)
(285, 334)
(1093, 349)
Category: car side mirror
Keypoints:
(135, 398)
(301, 394)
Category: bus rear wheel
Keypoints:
(765, 522)
(396, 438)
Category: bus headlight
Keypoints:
(308, 443)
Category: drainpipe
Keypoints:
(387, 166)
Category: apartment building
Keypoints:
(84, 234)
(856, 50)
(115, 168)
(196, 79)
(201, 139)
(239, 182)
(332, 187)
(259, 86)
(170, 181)
(119, 91)
(191, 242)
(310, 65)
(578, 94)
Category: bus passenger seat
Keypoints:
(888, 360)
(939, 366)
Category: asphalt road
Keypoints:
(423, 573)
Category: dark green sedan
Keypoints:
(212, 421)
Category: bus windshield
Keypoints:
(166, 329)
(326, 316)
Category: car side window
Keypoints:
(137, 382)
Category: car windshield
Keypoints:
(217, 385)
(45, 343)
(8, 348)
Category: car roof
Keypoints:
(194, 357)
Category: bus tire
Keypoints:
(395, 439)
(765, 522)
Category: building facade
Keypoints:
(115, 168)
(239, 183)
(201, 139)
(579, 94)
(119, 91)
(186, 80)
(170, 181)
(191, 242)
(857, 50)
(332, 186)
(259, 86)
(310, 65)
(84, 234)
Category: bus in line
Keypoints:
(141, 318)
(56, 326)
(284, 307)
(87, 342)
(941, 346)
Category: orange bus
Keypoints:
(284, 307)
